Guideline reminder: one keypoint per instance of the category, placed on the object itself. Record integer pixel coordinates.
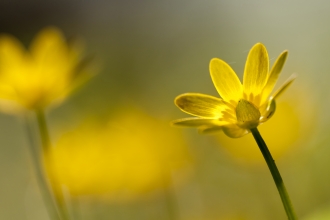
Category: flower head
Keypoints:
(299, 119)
(241, 106)
(48, 71)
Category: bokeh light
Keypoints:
(128, 155)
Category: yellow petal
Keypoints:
(285, 85)
(225, 80)
(200, 105)
(49, 43)
(234, 131)
(255, 72)
(197, 122)
(53, 65)
(274, 74)
(267, 110)
(12, 54)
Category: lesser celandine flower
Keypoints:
(46, 72)
(241, 108)
(35, 78)
(130, 155)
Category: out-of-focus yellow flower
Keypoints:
(242, 107)
(320, 214)
(131, 155)
(48, 71)
(293, 122)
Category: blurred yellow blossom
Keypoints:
(322, 213)
(130, 155)
(241, 107)
(48, 71)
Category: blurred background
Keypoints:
(147, 53)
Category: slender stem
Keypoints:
(43, 129)
(75, 203)
(35, 155)
(46, 146)
(276, 175)
(170, 200)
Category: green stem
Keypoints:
(170, 204)
(276, 174)
(43, 129)
(44, 189)
(46, 146)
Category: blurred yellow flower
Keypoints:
(131, 155)
(319, 214)
(242, 107)
(48, 71)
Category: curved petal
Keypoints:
(274, 74)
(267, 110)
(285, 85)
(201, 105)
(234, 131)
(197, 122)
(12, 54)
(49, 44)
(209, 129)
(256, 71)
(53, 65)
(225, 80)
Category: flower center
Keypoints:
(247, 114)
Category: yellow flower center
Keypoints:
(247, 114)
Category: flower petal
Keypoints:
(12, 54)
(225, 80)
(201, 105)
(234, 131)
(267, 110)
(274, 74)
(49, 45)
(285, 85)
(209, 129)
(197, 122)
(255, 72)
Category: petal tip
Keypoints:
(294, 75)
(259, 45)
(261, 48)
(214, 61)
(179, 100)
(173, 123)
(284, 54)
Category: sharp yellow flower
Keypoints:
(242, 106)
(48, 71)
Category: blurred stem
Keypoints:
(75, 208)
(170, 204)
(43, 130)
(46, 146)
(276, 174)
(36, 162)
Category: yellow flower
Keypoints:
(48, 71)
(242, 107)
(130, 155)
